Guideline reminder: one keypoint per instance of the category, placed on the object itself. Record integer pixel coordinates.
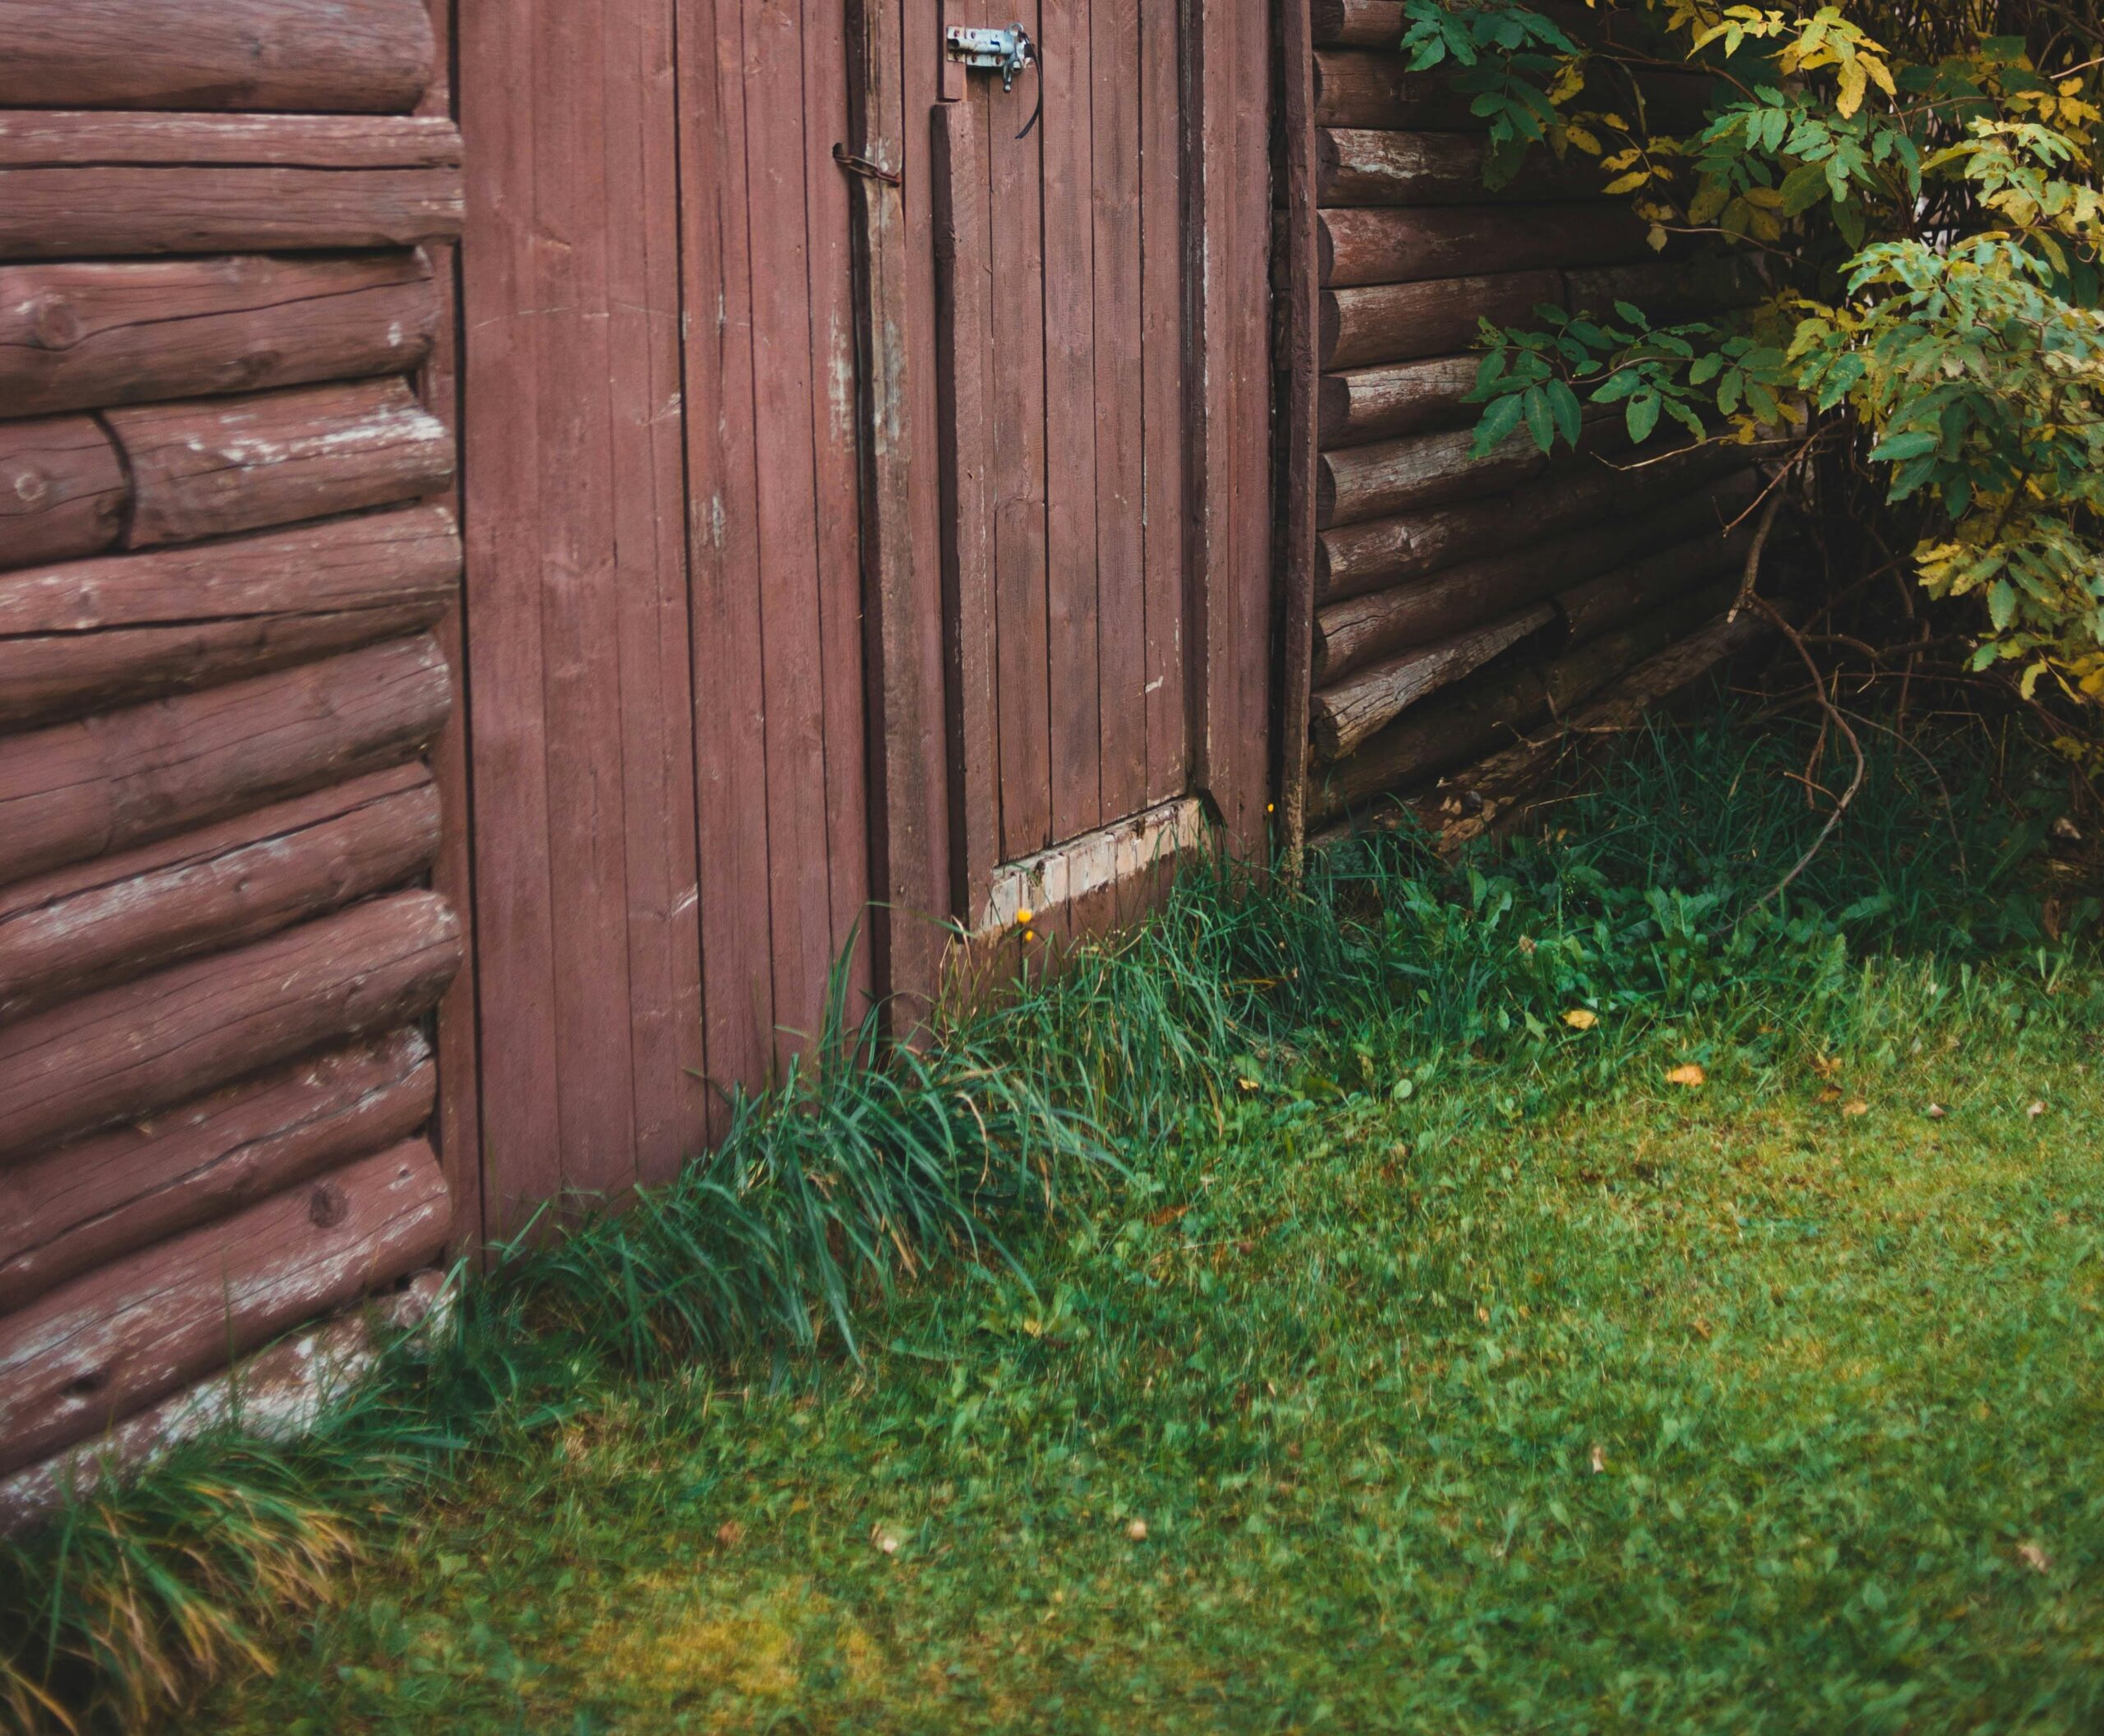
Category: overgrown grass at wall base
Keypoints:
(1640, 907)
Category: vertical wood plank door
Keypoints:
(1062, 338)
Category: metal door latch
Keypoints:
(1005, 52)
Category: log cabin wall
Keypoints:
(1438, 605)
(227, 569)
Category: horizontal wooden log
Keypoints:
(46, 138)
(63, 490)
(1616, 598)
(82, 928)
(1455, 728)
(1665, 291)
(1363, 87)
(133, 1051)
(1352, 632)
(60, 676)
(1402, 322)
(1419, 470)
(93, 1351)
(1360, 165)
(381, 559)
(350, 55)
(1344, 715)
(1379, 245)
(279, 1393)
(84, 335)
(75, 185)
(1403, 398)
(1354, 559)
(1358, 24)
(1356, 87)
(83, 1205)
(78, 790)
(208, 466)
(1620, 682)
(1583, 671)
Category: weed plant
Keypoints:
(1522, 978)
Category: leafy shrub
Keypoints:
(1915, 189)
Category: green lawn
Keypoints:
(1449, 1398)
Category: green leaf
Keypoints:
(2001, 604)
(1570, 413)
(1541, 422)
(1897, 448)
(1498, 422)
(1643, 416)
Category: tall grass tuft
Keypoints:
(1641, 900)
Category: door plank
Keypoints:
(1017, 405)
(1161, 391)
(1070, 419)
(964, 341)
(730, 705)
(1120, 546)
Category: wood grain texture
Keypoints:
(63, 490)
(134, 1050)
(95, 1350)
(210, 467)
(1400, 322)
(1357, 24)
(1613, 599)
(86, 333)
(902, 579)
(1022, 571)
(78, 790)
(352, 56)
(1302, 383)
(1454, 728)
(1346, 714)
(1121, 598)
(964, 325)
(385, 560)
(1355, 631)
(1072, 416)
(82, 928)
(73, 213)
(1395, 476)
(45, 138)
(1361, 88)
(1354, 559)
(1164, 289)
(1380, 245)
(1356, 165)
(84, 1206)
(1401, 398)
(578, 640)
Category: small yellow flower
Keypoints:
(1023, 918)
(1030, 934)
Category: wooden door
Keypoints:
(1063, 429)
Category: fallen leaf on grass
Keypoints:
(1600, 1461)
(1691, 1076)
(885, 1539)
(1936, 1111)
(1855, 1106)
(1580, 1019)
(729, 1534)
(1137, 1530)
(2036, 1110)
(2032, 1557)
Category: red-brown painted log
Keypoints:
(71, 932)
(1401, 322)
(45, 138)
(88, 185)
(377, 560)
(133, 1051)
(63, 490)
(1419, 470)
(1346, 714)
(44, 680)
(1359, 87)
(1358, 165)
(76, 790)
(1379, 245)
(210, 467)
(1352, 632)
(79, 1207)
(81, 334)
(352, 56)
(1354, 559)
(1403, 398)
(1358, 24)
(95, 1350)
